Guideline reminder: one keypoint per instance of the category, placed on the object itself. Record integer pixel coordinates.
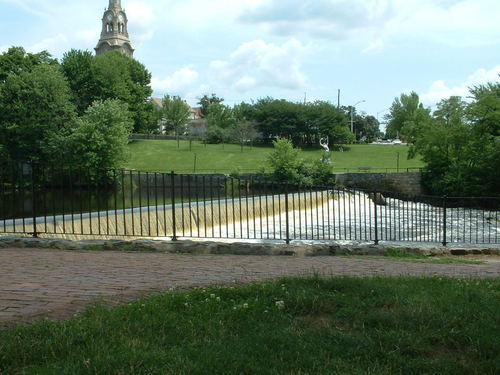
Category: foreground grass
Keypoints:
(295, 326)
(164, 156)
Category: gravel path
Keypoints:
(41, 283)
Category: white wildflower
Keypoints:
(280, 305)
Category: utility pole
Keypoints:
(338, 100)
(353, 108)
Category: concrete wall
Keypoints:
(407, 183)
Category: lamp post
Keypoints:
(352, 114)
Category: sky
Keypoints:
(243, 50)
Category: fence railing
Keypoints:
(66, 202)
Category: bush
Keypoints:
(99, 139)
(288, 167)
(215, 135)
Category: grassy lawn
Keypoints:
(164, 156)
(400, 255)
(294, 326)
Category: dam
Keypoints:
(308, 214)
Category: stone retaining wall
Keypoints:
(195, 247)
(407, 183)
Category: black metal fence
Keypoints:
(68, 202)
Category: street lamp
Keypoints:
(352, 114)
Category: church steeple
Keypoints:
(114, 34)
(115, 3)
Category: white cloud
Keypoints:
(260, 64)
(180, 82)
(375, 22)
(459, 23)
(55, 45)
(440, 90)
(140, 20)
(330, 19)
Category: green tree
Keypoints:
(77, 67)
(176, 114)
(366, 127)
(460, 146)
(111, 76)
(243, 132)
(326, 120)
(16, 61)
(35, 106)
(220, 115)
(99, 140)
(206, 101)
(484, 110)
(285, 162)
(406, 116)
(279, 118)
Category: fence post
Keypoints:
(287, 219)
(376, 218)
(444, 220)
(35, 232)
(172, 190)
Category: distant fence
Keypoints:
(64, 202)
(162, 137)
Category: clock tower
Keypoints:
(114, 34)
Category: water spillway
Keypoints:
(191, 218)
(309, 214)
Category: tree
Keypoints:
(16, 61)
(484, 110)
(461, 146)
(242, 132)
(285, 161)
(35, 106)
(406, 116)
(111, 76)
(220, 115)
(77, 67)
(206, 101)
(99, 140)
(326, 120)
(366, 127)
(176, 114)
(278, 118)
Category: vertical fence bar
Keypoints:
(33, 194)
(444, 220)
(172, 187)
(376, 218)
(287, 218)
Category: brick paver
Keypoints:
(36, 283)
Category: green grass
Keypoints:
(326, 326)
(164, 156)
(401, 255)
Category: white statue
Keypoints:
(324, 143)
(326, 155)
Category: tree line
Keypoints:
(268, 119)
(80, 110)
(459, 141)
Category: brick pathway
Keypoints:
(35, 283)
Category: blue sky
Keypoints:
(371, 50)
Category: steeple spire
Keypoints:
(115, 4)
(114, 34)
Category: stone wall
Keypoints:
(235, 248)
(406, 183)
